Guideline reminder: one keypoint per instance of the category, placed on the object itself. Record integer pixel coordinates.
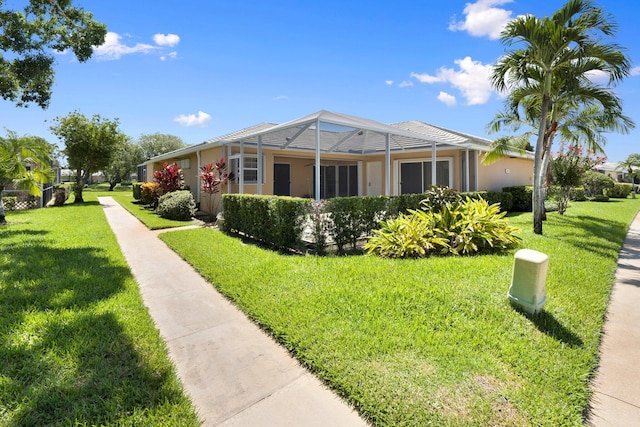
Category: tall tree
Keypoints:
(158, 143)
(564, 48)
(29, 36)
(24, 163)
(90, 144)
(123, 163)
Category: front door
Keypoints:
(281, 179)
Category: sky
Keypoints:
(201, 69)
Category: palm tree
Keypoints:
(558, 54)
(24, 162)
(631, 165)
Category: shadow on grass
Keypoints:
(603, 236)
(62, 359)
(105, 380)
(549, 325)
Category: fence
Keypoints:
(26, 201)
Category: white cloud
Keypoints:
(635, 71)
(472, 79)
(388, 82)
(170, 55)
(406, 83)
(114, 49)
(280, 97)
(598, 76)
(166, 39)
(200, 119)
(483, 19)
(447, 99)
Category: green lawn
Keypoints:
(77, 346)
(435, 341)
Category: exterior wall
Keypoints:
(490, 177)
(505, 173)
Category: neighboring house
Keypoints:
(327, 154)
(613, 170)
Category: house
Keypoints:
(328, 154)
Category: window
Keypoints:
(250, 169)
(184, 163)
(415, 176)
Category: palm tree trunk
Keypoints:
(538, 168)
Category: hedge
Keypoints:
(522, 197)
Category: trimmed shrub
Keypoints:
(599, 198)
(9, 202)
(137, 190)
(595, 183)
(620, 190)
(522, 197)
(577, 194)
(403, 203)
(470, 227)
(178, 205)
(274, 220)
(149, 192)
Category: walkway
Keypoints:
(616, 397)
(235, 374)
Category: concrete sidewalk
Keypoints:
(235, 374)
(616, 386)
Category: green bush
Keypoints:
(620, 190)
(469, 227)
(522, 197)
(599, 198)
(577, 194)
(137, 190)
(595, 183)
(403, 203)
(177, 205)
(9, 202)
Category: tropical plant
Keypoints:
(213, 177)
(24, 162)
(468, 227)
(567, 169)
(90, 144)
(149, 192)
(169, 178)
(548, 81)
(631, 165)
(437, 196)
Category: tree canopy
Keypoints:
(158, 143)
(24, 163)
(123, 163)
(90, 145)
(28, 38)
(548, 80)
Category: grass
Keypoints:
(435, 341)
(77, 346)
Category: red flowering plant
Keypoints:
(213, 176)
(169, 178)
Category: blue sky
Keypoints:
(202, 69)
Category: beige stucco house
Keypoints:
(327, 154)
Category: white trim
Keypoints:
(360, 180)
(398, 164)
